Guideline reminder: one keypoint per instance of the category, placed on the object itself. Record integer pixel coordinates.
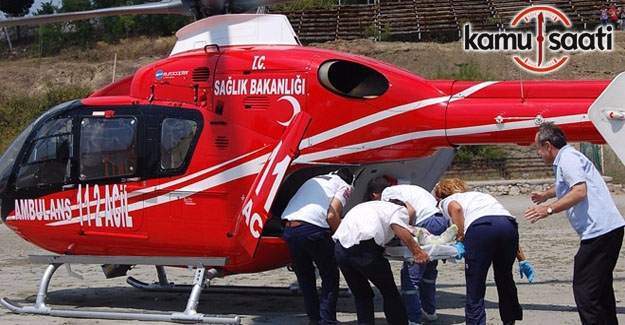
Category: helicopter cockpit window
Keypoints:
(351, 79)
(48, 159)
(108, 147)
(176, 138)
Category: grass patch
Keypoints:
(18, 110)
(464, 71)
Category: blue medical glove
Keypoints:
(460, 248)
(527, 269)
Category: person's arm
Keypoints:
(412, 214)
(334, 214)
(525, 267)
(573, 197)
(540, 197)
(420, 256)
(520, 255)
(454, 209)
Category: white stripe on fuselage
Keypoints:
(254, 166)
(176, 181)
(388, 113)
(245, 169)
(365, 146)
(530, 123)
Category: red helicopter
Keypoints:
(191, 160)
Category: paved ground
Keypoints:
(550, 245)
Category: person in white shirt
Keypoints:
(418, 281)
(490, 236)
(582, 193)
(359, 250)
(310, 218)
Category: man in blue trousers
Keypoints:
(311, 217)
(418, 281)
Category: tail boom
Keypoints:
(511, 111)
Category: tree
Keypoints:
(47, 8)
(51, 36)
(82, 30)
(15, 8)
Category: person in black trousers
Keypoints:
(359, 251)
(310, 218)
(582, 193)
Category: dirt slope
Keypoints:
(93, 68)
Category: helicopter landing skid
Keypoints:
(163, 285)
(189, 315)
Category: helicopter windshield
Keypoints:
(7, 161)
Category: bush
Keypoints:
(52, 39)
(465, 71)
(371, 31)
(386, 33)
(467, 154)
(300, 5)
(18, 110)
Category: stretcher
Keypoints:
(436, 252)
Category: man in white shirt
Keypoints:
(582, 193)
(418, 281)
(310, 218)
(359, 251)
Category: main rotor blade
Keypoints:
(164, 7)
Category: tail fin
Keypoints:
(607, 114)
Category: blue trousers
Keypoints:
(363, 263)
(310, 244)
(418, 281)
(491, 240)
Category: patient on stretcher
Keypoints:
(437, 247)
(424, 237)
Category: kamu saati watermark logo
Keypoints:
(539, 51)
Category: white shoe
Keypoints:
(429, 317)
(414, 323)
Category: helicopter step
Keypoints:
(201, 275)
(163, 285)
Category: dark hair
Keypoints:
(550, 132)
(398, 202)
(345, 174)
(377, 185)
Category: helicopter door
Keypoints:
(259, 199)
(607, 113)
(109, 154)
